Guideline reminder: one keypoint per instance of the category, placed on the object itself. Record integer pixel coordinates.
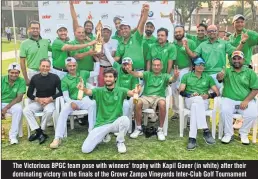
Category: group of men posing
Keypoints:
(194, 66)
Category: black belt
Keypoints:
(60, 69)
(105, 66)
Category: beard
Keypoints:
(109, 84)
(148, 32)
(237, 65)
(44, 73)
(179, 38)
(124, 71)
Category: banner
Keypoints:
(52, 13)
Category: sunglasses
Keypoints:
(201, 64)
(211, 31)
(201, 30)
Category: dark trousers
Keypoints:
(9, 37)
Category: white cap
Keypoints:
(59, 26)
(14, 66)
(127, 60)
(107, 27)
(124, 23)
(236, 17)
(70, 59)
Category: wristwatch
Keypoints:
(242, 42)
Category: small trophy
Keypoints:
(3, 133)
(98, 45)
(136, 95)
(80, 92)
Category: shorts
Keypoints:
(150, 101)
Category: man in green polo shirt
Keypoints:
(117, 21)
(240, 88)
(194, 87)
(148, 39)
(235, 38)
(13, 89)
(132, 45)
(32, 51)
(71, 93)
(61, 48)
(153, 95)
(163, 50)
(214, 51)
(110, 119)
(184, 63)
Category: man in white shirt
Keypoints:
(8, 33)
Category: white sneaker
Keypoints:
(50, 124)
(121, 147)
(161, 135)
(13, 141)
(136, 133)
(107, 138)
(226, 139)
(244, 139)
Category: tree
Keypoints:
(219, 6)
(253, 8)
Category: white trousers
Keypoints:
(121, 125)
(175, 86)
(16, 112)
(197, 106)
(35, 107)
(228, 109)
(84, 104)
(127, 107)
(59, 73)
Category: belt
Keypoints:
(60, 69)
(105, 66)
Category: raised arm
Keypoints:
(68, 47)
(173, 78)
(108, 55)
(74, 16)
(96, 70)
(136, 74)
(190, 53)
(144, 17)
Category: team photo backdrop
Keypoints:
(52, 13)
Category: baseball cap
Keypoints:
(124, 23)
(198, 61)
(150, 22)
(70, 59)
(59, 26)
(236, 17)
(127, 60)
(116, 18)
(238, 53)
(107, 27)
(14, 66)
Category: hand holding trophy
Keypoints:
(98, 45)
(80, 86)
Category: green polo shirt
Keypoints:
(165, 53)
(214, 54)
(238, 85)
(125, 80)
(34, 51)
(9, 93)
(183, 60)
(117, 37)
(155, 85)
(58, 55)
(69, 83)
(133, 48)
(196, 39)
(248, 46)
(85, 63)
(197, 85)
(91, 36)
(109, 104)
(146, 44)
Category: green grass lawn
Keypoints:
(5, 64)
(174, 148)
(9, 46)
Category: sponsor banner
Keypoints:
(58, 12)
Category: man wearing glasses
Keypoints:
(214, 51)
(32, 51)
(194, 87)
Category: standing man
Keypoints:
(235, 38)
(184, 63)
(32, 51)
(148, 39)
(240, 88)
(8, 34)
(194, 87)
(153, 95)
(163, 50)
(110, 119)
(46, 85)
(13, 89)
(61, 48)
(117, 21)
(70, 92)
(214, 51)
(132, 46)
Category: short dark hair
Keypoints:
(164, 30)
(88, 21)
(34, 22)
(202, 25)
(179, 26)
(111, 70)
(45, 60)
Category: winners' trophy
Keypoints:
(136, 95)
(98, 45)
(80, 92)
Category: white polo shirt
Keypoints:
(111, 45)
